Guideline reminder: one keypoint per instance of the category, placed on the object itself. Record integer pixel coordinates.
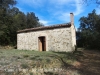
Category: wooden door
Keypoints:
(42, 43)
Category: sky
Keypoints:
(51, 12)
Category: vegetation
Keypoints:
(41, 62)
(12, 20)
(88, 33)
(88, 2)
(19, 62)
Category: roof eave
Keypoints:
(45, 28)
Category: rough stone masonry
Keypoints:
(60, 37)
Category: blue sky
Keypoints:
(52, 12)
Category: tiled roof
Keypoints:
(46, 27)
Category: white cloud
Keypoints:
(78, 7)
(44, 22)
(41, 2)
(55, 5)
(60, 2)
(56, 9)
(98, 11)
(65, 15)
(32, 3)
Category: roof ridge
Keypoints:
(46, 27)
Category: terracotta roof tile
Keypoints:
(46, 27)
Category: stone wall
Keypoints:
(73, 37)
(59, 39)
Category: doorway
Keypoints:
(42, 43)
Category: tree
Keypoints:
(90, 30)
(5, 5)
(97, 2)
(32, 20)
(12, 20)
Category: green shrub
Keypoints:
(31, 73)
(25, 56)
(24, 66)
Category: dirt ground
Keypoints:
(88, 62)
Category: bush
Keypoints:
(24, 66)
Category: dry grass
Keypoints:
(26, 61)
(19, 62)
